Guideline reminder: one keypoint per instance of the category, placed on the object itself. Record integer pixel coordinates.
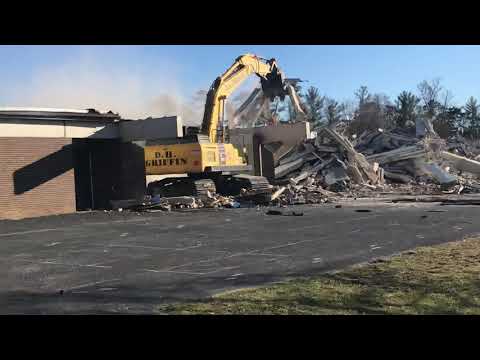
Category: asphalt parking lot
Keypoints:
(104, 263)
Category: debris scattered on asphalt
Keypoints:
(333, 166)
(274, 212)
(290, 213)
(293, 213)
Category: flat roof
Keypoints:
(30, 113)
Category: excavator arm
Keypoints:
(296, 102)
(271, 79)
(250, 110)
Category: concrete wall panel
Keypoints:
(150, 129)
(14, 128)
(251, 139)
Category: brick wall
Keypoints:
(36, 177)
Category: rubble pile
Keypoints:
(373, 164)
(321, 169)
(154, 203)
(457, 144)
(331, 166)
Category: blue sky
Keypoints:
(126, 77)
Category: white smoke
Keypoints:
(88, 81)
(96, 77)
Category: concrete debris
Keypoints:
(396, 177)
(330, 167)
(278, 212)
(403, 153)
(287, 168)
(320, 169)
(279, 192)
(462, 163)
(274, 212)
(149, 203)
(373, 164)
(459, 145)
(435, 172)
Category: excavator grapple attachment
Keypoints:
(273, 84)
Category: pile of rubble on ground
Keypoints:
(156, 203)
(373, 164)
(464, 147)
(320, 169)
(330, 167)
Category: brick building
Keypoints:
(55, 161)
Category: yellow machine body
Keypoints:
(191, 158)
(211, 163)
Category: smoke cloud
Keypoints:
(88, 82)
(95, 78)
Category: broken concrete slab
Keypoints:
(403, 153)
(436, 172)
(308, 148)
(462, 163)
(326, 149)
(353, 156)
(287, 168)
(402, 178)
(335, 174)
(308, 172)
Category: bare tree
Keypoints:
(273, 112)
(447, 97)
(348, 110)
(363, 95)
(429, 92)
(381, 100)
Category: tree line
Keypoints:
(370, 111)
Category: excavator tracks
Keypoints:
(203, 187)
(244, 186)
(247, 187)
(184, 186)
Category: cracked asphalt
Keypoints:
(129, 263)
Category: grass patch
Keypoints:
(441, 279)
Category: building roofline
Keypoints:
(50, 114)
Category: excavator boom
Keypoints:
(272, 83)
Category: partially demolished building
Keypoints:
(55, 161)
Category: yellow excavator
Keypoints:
(212, 165)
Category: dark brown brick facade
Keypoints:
(36, 177)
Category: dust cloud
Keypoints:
(88, 81)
